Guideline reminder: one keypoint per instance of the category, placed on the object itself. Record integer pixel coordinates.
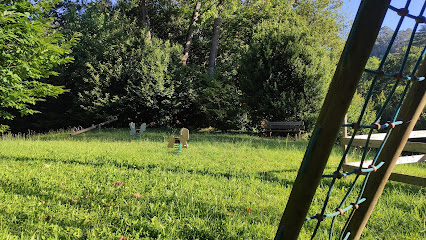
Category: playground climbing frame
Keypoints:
(342, 88)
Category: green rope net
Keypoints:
(400, 79)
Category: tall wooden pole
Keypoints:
(410, 111)
(342, 88)
(345, 135)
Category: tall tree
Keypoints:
(215, 40)
(383, 40)
(145, 18)
(190, 34)
(284, 73)
(29, 49)
(124, 72)
(420, 39)
(111, 65)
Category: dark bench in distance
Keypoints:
(284, 127)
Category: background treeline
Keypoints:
(229, 64)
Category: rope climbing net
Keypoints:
(399, 80)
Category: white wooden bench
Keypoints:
(375, 142)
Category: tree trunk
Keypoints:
(145, 18)
(215, 42)
(190, 33)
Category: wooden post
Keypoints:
(342, 88)
(345, 135)
(410, 111)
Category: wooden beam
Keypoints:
(409, 179)
(345, 135)
(342, 88)
(411, 159)
(114, 118)
(417, 134)
(397, 177)
(381, 136)
(84, 130)
(401, 160)
(374, 143)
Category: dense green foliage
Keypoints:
(125, 73)
(107, 185)
(275, 61)
(119, 69)
(284, 73)
(29, 49)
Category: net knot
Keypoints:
(373, 167)
(391, 124)
(356, 126)
(355, 206)
(319, 217)
(358, 171)
(402, 12)
(338, 174)
(420, 19)
(380, 73)
(377, 126)
(340, 211)
(398, 76)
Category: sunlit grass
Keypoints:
(224, 186)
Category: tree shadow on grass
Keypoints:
(271, 176)
(47, 213)
(32, 188)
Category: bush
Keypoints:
(119, 70)
(284, 73)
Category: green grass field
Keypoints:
(112, 186)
